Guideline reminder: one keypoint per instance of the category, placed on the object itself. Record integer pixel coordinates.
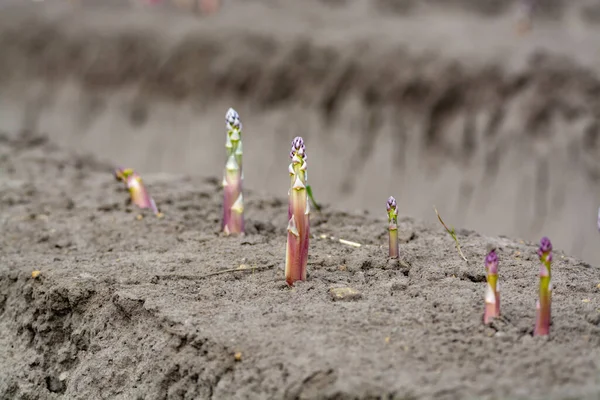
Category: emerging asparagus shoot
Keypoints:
(233, 201)
(296, 255)
(492, 290)
(137, 190)
(392, 211)
(542, 323)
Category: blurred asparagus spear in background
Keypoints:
(233, 200)
(452, 234)
(525, 16)
(492, 290)
(137, 190)
(392, 211)
(296, 255)
(542, 323)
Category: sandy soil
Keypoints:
(125, 307)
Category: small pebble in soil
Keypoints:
(344, 294)
(35, 274)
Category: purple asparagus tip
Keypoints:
(492, 258)
(545, 248)
(232, 120)
(391, 204)
(298, 148)
(598, 219)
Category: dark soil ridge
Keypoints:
(121, 308)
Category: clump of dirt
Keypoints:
(129, 306)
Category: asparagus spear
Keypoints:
(492, 291)
(137, 190)
(139, 194)
(296, 255)
(542, 324)
(392, 211)
(233, 202)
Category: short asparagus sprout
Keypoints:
(392, 211)
(137, 190)
(233, 201)
(598, 219)
(492, 290)
(542, 323)
(296, 255)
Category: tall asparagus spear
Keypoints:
(233, 202)
(392, 210)
(296, 255)
(492, 290)
(542, 323)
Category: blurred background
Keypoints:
(461, 104)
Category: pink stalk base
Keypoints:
(394, 248)
(492, 309)
(296, 256)
(542, 320)
(233, 211)
(139, 194)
